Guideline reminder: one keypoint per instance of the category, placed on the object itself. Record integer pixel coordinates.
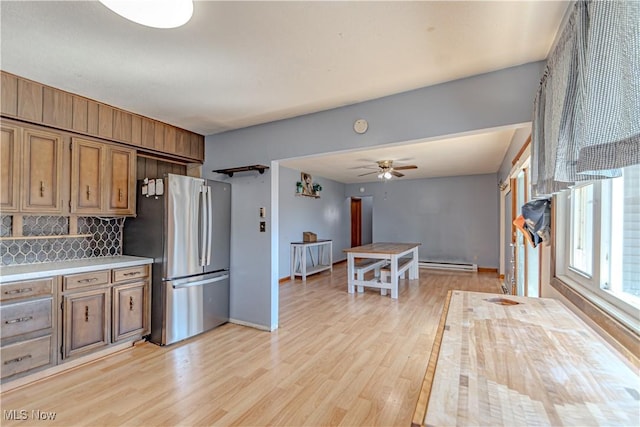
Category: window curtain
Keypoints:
(586, 122)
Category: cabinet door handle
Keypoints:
(133, 273)
(18, 291)
(93, 279)
(41, 188)
(18, 320)
(119, 194)
(130, 303)
(86, 313)
(88, 193)
(17, 359)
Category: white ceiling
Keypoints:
(237, 64)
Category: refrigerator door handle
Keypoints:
(203, 225)
(210, 225)
(201, 282)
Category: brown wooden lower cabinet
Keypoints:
(129, 310)
(86, 321)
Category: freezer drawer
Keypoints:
(195, 305)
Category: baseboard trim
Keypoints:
(250, 325)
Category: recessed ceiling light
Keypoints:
(153, 13)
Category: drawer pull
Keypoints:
(18, 291)
(93, 279)
(130, 303)
(133, 273)
(86, 313)
(17, 359)
(18, 320)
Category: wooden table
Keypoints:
(320, 261)
(392, 252)
(516, 361)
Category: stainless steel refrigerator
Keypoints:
(187, 233)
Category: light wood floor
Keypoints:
(337, 359)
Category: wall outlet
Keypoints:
(263, 226)
(262, 213)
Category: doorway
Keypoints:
(361, 220)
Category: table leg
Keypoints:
(414, 272)
(350, 272)
(394, 276)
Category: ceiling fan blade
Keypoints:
(396, 173)
(368, 173)
(405, 167)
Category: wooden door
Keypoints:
(87, 166)
(121, 181)
(129, 302)
(9, 168)
(41, 171)
(356, 221)
(86, 321)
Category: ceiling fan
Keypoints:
(386, 169)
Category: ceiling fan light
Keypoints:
(153, 13)
(387, 175)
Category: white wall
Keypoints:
(327, 216)
(480, 102)
(454, 218)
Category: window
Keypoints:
(598, 243)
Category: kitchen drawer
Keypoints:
(23, 317)
(27, 289)
(130, 273)
(26, 355)
(83, 280)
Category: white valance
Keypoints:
(586, 121)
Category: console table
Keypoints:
(320, 254)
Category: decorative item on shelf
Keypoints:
(299, 187)
(317, 188)
(306, 186)
(309, 237)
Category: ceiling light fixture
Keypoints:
(385, 175)
(153, 13)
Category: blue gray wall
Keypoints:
(328, 216)
(481, 102)
(455, 218)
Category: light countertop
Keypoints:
(47, 269)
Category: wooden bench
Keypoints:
(385, 272)
(366, 265)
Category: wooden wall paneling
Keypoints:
(201, 149)
(163, 168)
(9, 94)
(80, 115)
(182, 143)
(30, 100)
(158, 139)
(148, 132)
(122, 126)
(179, 169)
(141, 168)
(105, 121)
(151, 167)
(57, 108)
(169, 139)
(136, 130)
(193, 145)
(92, 118)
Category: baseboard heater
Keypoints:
(448, 266)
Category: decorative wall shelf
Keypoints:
(313, 196)
(231, 171)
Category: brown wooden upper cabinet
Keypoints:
(87, 180)
(41, 171)
(121, 181)
(103, 178)
(10, 167)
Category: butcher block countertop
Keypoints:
(515, 361)
(46, 269)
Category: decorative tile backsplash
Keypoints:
(105, 239)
